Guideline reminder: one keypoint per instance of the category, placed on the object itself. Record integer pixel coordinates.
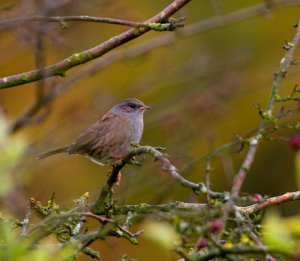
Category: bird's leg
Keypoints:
(132, 161)
(118, 179)
(116, 156)
(160, 149)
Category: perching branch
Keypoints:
(60, 68)
(106, 191)
(102, 203)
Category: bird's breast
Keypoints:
(137, 127)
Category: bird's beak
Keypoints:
(145, 107)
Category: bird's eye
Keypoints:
(132, 106)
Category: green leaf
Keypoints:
(162, 233)
(11, 152)
(293, 224)
(276, 234)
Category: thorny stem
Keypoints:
(254, 208)
(110, 226)
(254, 141)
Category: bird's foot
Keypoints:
(135, 144)
(134, 161)
(161, 149)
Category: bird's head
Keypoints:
(130, 106)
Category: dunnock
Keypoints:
(111, 137)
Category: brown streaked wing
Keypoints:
(84, 142)
(91, 136)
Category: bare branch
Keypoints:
(166, 26)
(60, 68)
(289, 196)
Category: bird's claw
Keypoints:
(161, 149)
(134, 144)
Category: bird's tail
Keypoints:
(52, 152)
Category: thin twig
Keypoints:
(97, 217)
(25, 223)
(207, 180)
(133, 235)
(165, 26)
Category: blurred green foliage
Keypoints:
(297, 168)
(12, 151)
(14, 247)
(276, 233)
(162, 233)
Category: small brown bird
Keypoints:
(111, 137)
